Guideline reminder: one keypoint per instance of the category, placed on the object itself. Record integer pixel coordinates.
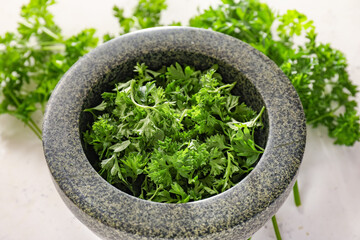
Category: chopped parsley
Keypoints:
(174, 135)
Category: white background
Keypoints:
(30, 207)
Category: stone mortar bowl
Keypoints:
(234, 214)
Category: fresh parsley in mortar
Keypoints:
(174, 135)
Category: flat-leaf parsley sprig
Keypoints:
(317, 70)
(174, 135)
(33, 59)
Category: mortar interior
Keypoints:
(123, 72)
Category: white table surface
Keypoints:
(30, 207)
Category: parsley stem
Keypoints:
(328, 114)
(52, 48)
(259, 115)
(35, 125)
(156, 191)
(133, 99)
(228, 171)
(183, 114)
(276, 228)
(223, 87)
(33, 128)
(296, 194)
(32, 125)
(49, 33)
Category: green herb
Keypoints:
(33, 60)
(145, 15)
(276, 228)
(317, 71)
(174, 135)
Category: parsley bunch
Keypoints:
(317, 71)
(33, 60)
(145, 15)
(174, 135)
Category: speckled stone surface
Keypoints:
(234, 214)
